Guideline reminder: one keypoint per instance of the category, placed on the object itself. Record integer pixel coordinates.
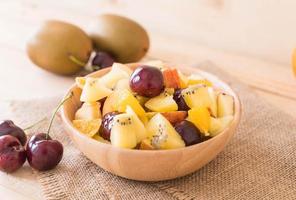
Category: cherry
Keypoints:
(7, 127)
(180, 100)
(105, 128)
(147, 81)
(102, 60)
(12, 154)
(97, 60)
(189, 133)
(43, 153)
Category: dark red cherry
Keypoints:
(43, 153)
(12, 154)
(7, 127)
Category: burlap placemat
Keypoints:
(258, 163)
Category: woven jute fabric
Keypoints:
(258, 163)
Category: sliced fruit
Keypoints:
(142, 100)
(162, 103)
(140, 129)
(80, 82)
(126, 98)
(171, 78)
(194, 79)
(189, 133)
(156, 63)
(118, 101)
(175, 116)
(89, 111)
(162, 133)
(100, 139)
(146, 145)
(183, 80)
(123, 131)
(225, 105)
(87, 127)
(107, 123)
(219, 124)
(200, 117)
(118, 71)
(201, 95)
(122, 84)
(149, 115)
(94, 90)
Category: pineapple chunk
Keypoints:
(200, 117)
(89, 111)
(122, 84)
(140, 129)
(194, 79)
(118, 71)
(225, 105)
(87, 127)
(219, 124)
(162, 134)
(126, 98)
(118, 101)
(94, 90)
(162, 103)
(123, 132)
(201, 95)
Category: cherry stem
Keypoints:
(31, 126)
(55, 112)
(76, 60)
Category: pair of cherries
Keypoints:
(41, 151)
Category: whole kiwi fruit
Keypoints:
(54, 42)
(123, 38)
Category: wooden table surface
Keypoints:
(20, 79)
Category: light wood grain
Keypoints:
(149, 165)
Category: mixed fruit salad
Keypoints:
(152, 107)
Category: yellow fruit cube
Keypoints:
(201, 95)
(201, 118)
(87, 127)
(197, 79)
(162, 103)
(126, 98)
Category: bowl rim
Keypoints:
(233, 124)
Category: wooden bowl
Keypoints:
(147, 165)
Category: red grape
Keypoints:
(105, 129)
(189, 133)
(147, 81)
(182, 106)
(102, 60)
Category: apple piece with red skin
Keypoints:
(12, 154)
(43, 153)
